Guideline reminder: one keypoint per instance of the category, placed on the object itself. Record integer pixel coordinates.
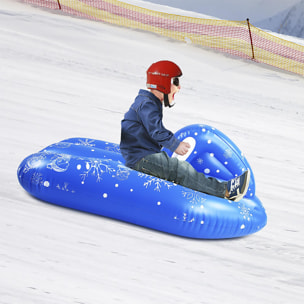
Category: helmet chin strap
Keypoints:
(166, 101)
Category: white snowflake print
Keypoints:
(34, 162)
(228, 153)
(97, 167)
(37, 179)
(123, 172)
(183, 135)
(112, 147)
(64, 187)
(61, 145)
(200, 161)
(155, 181)
(184, 218)
(245, 211)
(86, 142)
(195, 197)
(59, 162)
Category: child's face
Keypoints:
(174, 90)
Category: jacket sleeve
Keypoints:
(151, 118)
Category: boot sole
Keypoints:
(245, 188)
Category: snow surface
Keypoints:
(62, 77)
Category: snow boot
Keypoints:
(238, 186)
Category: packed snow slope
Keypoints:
(62, 77)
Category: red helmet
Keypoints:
(160, 73)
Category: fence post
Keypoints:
(250, 38)
(59, 5)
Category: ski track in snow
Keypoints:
(62, 77)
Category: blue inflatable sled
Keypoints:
(90, 175)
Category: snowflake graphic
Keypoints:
(59, 162)
(97, 167)
(37, 178)
(112, 147)
(183, 135)
(200, 161)
(60, 145)
(123, 172)
(245, 211)
(195, 197)
(64, 187)
(184, 218)
(34, 162)
(228, 153)
(155, 181)
(86, 142)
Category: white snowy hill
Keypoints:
(281, 16)
(230, 10)
(62, 77)
(288, 22)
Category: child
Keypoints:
(143, 136)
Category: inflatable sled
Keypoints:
(90, 175)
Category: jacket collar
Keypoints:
(150, 95)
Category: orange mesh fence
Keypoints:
(238, 38)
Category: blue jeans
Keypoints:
(180, 172)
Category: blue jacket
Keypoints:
(142, 130)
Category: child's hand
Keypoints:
(183, 148)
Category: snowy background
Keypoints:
(62, 77)
(281, 16)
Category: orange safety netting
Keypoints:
(238, 38)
